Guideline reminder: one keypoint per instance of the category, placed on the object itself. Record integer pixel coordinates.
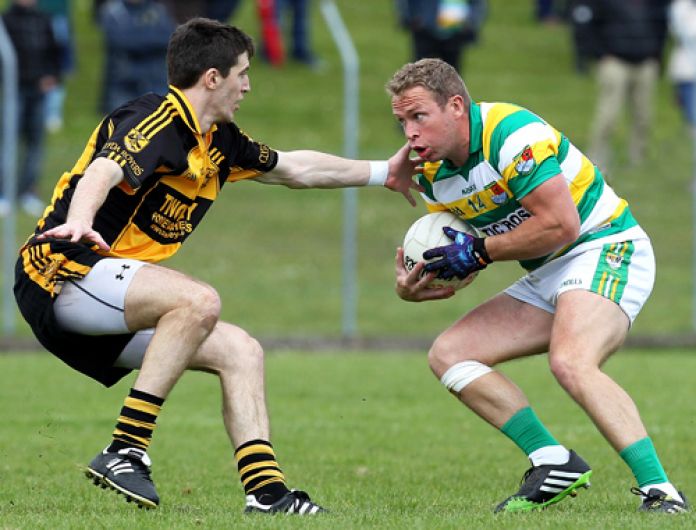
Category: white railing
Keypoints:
(351, 113)
(8, 154)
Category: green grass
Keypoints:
(275, 254)
(372, 436)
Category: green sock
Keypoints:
(527, 431)
(642, 458)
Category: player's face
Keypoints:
(232, 89)
(432, 131)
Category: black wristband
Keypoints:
(480, 250)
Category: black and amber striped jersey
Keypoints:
(172, 174)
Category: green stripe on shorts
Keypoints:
(611, 274)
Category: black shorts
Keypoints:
(39, 268)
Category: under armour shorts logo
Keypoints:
(120, 275)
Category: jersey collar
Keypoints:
(185, 110)
(475, 128)
(475, 144)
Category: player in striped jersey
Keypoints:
(536, 199)
(88, 283)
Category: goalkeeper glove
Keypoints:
(465, 255)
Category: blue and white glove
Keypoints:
(465, 255)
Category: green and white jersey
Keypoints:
(511, 152)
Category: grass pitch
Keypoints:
(275, 254)
(374, 437)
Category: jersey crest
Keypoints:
(524, 162)
(135, 141)
(499, 195)
(200, 166)
(614, 260)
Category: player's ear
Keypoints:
(456, 103)
(212, 78)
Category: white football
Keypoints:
(426, 233)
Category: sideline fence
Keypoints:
(8, 166)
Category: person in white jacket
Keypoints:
(682, 61)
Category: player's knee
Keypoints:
(445, 352)
(204, 305)
(252, 350)
(455, 369)
(569, 372)
(233, 351)
(241, 349)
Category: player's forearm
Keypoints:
(92, 189)
(531, 239)
(312, 169)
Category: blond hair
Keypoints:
(434, 75)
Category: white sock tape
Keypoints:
(462, 374)
(379, 169)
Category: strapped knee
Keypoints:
(460, 375)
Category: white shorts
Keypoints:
(623, 272)
(95, 305)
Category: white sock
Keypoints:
(551, 454)
(665, 487)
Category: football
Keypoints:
(426, 233)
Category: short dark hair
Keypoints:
(200, 44)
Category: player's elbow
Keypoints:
(569, 231)
(292, 170)
(566, 229)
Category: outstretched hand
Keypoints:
(401, 171)
(414, 285)
(467, 254)
(75, 231)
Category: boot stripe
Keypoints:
(551, 489)
(558, 482)
(556, 473)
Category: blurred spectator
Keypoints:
(442, 28)
(38, 65)
(59, 11)
(183, 10)
(285, 16)
(547, 11)
(221, 10)
(294, 19)
(136, 34)
(682, 61)
(584, 46)
(271, 42)
(96, 7)
(630, 38)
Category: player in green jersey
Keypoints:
(590, 267)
